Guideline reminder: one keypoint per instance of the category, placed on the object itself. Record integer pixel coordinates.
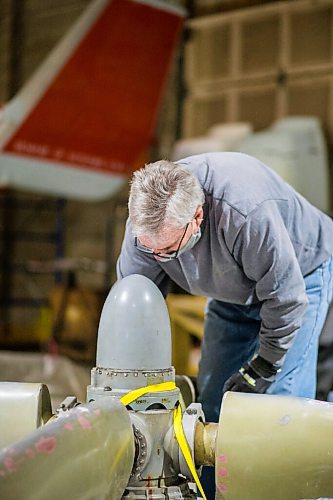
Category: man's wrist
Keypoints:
(263, 368)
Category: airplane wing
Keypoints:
(85, 119)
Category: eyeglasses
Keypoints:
(168, 255)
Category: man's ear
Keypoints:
(198, 216)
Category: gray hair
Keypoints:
(163, 194)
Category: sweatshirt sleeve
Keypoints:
(264, 251)
(132, 261)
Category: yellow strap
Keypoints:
(137, 393)
(177, 423)
(179, 431)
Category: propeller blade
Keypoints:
(273, 447)
(86, 453)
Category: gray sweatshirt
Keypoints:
(259, 238)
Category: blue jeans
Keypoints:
(231, 338)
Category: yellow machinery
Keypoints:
(187, 326)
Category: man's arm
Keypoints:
(264, 251)
(266, 254)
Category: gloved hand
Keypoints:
(255, 376)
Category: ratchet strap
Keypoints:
(177, 423)
(180, 435)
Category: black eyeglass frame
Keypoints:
(170, 255)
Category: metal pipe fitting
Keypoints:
(205, 443)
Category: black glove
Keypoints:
(255, 376)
